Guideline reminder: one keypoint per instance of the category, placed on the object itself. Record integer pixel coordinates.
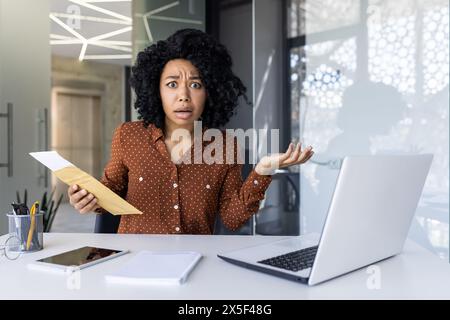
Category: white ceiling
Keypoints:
(97, 30)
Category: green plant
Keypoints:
(50, 209)
(47, 206)
(25, 197)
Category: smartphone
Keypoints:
(76, 259)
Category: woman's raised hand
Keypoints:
(293, 156)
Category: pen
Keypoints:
(33, 222)
(16, 221)
(35, 240)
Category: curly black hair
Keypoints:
(212, 61)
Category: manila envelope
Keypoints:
(106, 198)
(70, 174)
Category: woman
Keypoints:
(178, 81)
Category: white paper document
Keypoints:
(51, 159)
(156, 267)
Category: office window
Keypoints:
(370, 77)
(307, 17)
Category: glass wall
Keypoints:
(155, 20)
(371, 77)
(279, 213)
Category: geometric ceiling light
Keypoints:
(99, 40)
(152, 15)
(86, 3)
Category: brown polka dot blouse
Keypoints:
(176, 198)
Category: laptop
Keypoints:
(368, 220)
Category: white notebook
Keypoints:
(156, 267)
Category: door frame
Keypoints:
(82, 92)
(74, 91)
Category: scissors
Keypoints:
(33, 209)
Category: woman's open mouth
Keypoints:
(183, 114)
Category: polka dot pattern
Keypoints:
(176, 198)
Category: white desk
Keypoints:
(415, 274)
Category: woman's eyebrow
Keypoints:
(178, 77)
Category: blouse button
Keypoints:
(140, 179)
(255, 182)
(175, 207)
(208, 186)
(177, 229)
(175, 185)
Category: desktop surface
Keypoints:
(414, 274)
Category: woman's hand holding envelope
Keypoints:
(80, 182)
(82, 200)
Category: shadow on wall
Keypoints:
(369, 110)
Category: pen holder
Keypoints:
(19, 226)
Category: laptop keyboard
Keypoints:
(293, 261)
